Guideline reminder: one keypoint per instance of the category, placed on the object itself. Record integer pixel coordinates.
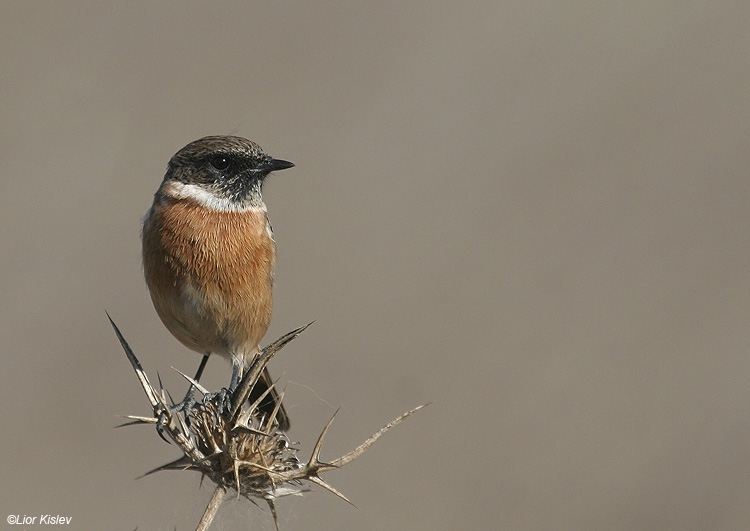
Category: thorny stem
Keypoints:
(211, 509)
(235, 445)
(245, 387)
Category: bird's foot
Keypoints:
(162, 421)
(220, 400)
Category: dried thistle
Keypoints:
(232, 443)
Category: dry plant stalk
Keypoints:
(232, 443)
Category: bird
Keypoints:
(209, 255)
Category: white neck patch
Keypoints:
(207, 198)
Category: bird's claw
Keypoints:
(161, 422)
(221, 400)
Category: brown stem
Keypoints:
(211, 509)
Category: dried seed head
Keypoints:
(234, 443)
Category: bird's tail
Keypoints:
(268, 404)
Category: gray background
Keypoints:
(533, 215)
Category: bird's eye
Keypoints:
(220, 162)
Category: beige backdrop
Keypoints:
(534, 215)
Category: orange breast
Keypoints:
(210, 275)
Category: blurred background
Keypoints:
(533, 215)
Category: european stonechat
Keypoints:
(209, 253)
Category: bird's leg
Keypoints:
(237, 367)
(189, 400)
(223, 398)
(189, 396)
(202, 366)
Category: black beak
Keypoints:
(275, 165)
